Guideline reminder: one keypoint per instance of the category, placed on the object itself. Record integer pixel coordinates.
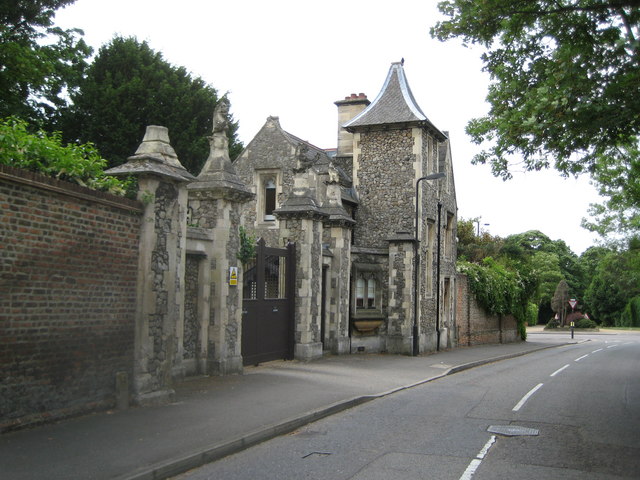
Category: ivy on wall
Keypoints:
(247, 246)
(499, 291)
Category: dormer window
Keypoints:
(268, 192)
(269, 200)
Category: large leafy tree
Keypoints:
(615, 281)
(129, 86)
(565, 89)
(39, 62)
(473, 247)
(618, 182)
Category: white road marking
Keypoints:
(526, 397)
(559, 370)
(580, 358)
(598, 350)
(475, 463)
(611, 346)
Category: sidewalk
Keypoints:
(215, 416)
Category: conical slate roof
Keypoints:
(395, 104)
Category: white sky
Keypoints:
(293, 59)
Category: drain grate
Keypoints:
(512, 430)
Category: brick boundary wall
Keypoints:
(474, 326)
(68, 272)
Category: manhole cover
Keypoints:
(512, 430)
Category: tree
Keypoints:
(129, 86)
(546, 266)
(565, 86)
(39, 63)
(615, 282)
(474, 248)
(560, 300)
(619, 183)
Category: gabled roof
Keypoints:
(395, 104)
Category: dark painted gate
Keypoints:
(268, 305)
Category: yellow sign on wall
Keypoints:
(233, 275)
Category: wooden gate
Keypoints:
(268, 305)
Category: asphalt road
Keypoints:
(578, 406)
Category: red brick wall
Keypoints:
(474, 326)
(68, 269)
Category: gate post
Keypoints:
(214, 201)
(301, 223)
(340, 226)
(161, 262)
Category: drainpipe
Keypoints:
(438, 281)
(416, 242)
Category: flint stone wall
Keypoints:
(385, 179)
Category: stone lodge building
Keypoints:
(341, 265)
(351, 214)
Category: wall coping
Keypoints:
(38, 180)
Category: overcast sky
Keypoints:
(293, 59)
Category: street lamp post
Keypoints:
(416, 259)
(478, 226)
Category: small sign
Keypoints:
(573, 303)
(233, 275)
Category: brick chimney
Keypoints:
(347, 109)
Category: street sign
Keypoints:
(573, 303)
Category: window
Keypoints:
(431, 234)
(269, 200)
(366, 293)
(360, 293)
(268, 188)
(448, 237)
(371, 293)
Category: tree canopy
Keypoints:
(564, 92)
(129, 86)
(39, 63)
(615, 281)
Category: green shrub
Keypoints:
(553, 323)
(586, 323)
(531, 314)
(44, 153)
(630, 316)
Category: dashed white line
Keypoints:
(475, 463)
(580, 358)
(598, 350)
(526, 397)
(559, 370)
(611, 346)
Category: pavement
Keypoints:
(212, 417)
